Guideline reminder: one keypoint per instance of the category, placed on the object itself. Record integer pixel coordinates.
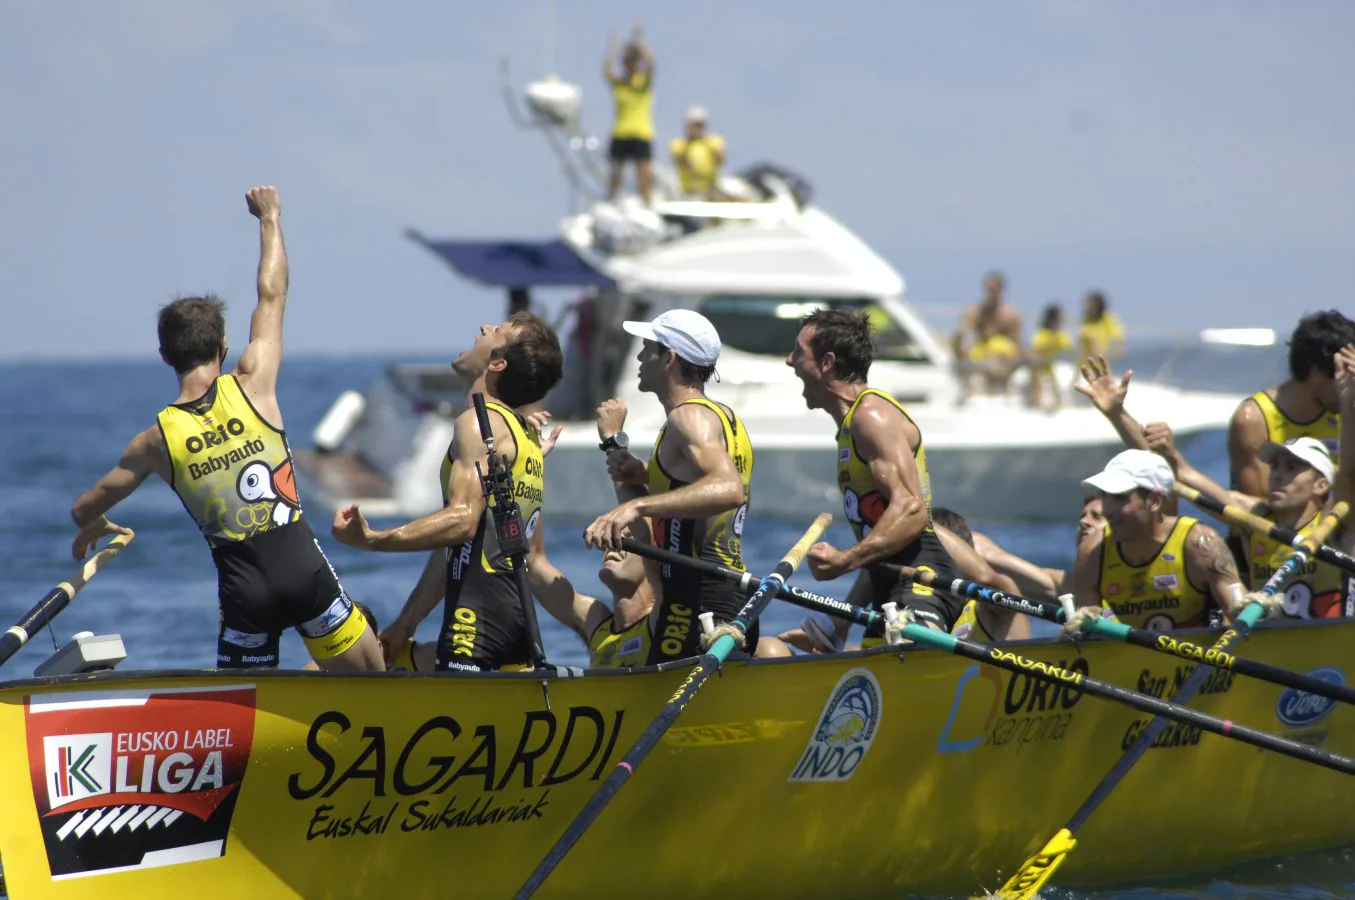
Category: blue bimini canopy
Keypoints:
(516, 264)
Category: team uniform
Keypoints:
(609, 649)
(482, 621)
(994, 347)
(1157, 595)
(1097, 337)
(404, 660)
(1048, 345)
(633, 129)
(233, 473)
(703, 162)
(716, 539)
(1319, 591)
(969, 627)
(1326, 427)
(864, 504)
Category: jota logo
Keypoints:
(845, 731)
(135, 779)
(1298, 709)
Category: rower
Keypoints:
(1155, 571)
(1042, 582)
(1301, 478)
(881, 469)
(695, 486)
(514, 364)
(980, 622)
(222, 449)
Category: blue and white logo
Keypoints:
(845, 730)
(1296, 708)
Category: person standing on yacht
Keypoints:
(221, 447)
(881, 469)
(695, 486)
(515, 364)
(995, 351)
(698, 156)
(633, 127)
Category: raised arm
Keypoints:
(1108, 396)
(258, 365)
(609, 61)
(456, 522)
(1344, 488)
(144, 454)
(1162, 442)
(646, 54)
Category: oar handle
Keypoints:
(46, 609)
(1306, 548)
(1245, 518)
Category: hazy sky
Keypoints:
(1193, 159)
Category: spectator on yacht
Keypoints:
(698, 156)
(1101, 333)
(633, 127)
(1049, 343)
(995, 350)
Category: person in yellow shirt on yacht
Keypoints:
(1048, 344)
(698, 156)
(1101, 333)
(633, 127)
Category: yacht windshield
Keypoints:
(768, 325)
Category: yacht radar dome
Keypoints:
(553, 102)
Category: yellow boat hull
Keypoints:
(857, 775)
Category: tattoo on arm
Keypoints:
(1216, 558)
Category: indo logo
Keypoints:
(845, 730)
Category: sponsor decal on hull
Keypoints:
(137, 779)
(844, 732)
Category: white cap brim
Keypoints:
(641, 330)
(1110, 483)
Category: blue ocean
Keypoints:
(65, 423)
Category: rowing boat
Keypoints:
(855, 775)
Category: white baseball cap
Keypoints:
(697, 114)
(684, 331)
(1131, 470)
(1310, 451)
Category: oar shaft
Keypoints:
(57, 599)
(686, 692)
(1005, 659)
(1244, 518)
(1139, 637)
(748, 582)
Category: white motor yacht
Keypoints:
(754, 264)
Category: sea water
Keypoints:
(63, 424)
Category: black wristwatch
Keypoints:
(618, 441)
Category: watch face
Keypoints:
(621, 440)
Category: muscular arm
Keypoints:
(258, 365)
(1030, 579)
(997, 621)
(456, 522)
(1344, 489)
(884, 440)
(1160, 440)
(1209, 563)
(579, 612)
(144, 454)
(1246, 434)
(696, 438)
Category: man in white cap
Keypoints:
(1301, 476)
(695, 486)
(698, 156)
(1153, 570)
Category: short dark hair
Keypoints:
(192, 330)
(1051, 312)
(953, 522)
(535, 363)
(1102, 304)
(367, 614)
(689, 373)
(844, 334)
(1316, 340)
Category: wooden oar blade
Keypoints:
(1036, 871)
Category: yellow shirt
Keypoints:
(1280, 428)
(231, 469)
(404, 658)
(861, 498)
(619, 649)
(1319, 591)
(969, 627)
(1097, 336)
(702, 169)
(1157, 595)
(1048, 345)
(634, 100)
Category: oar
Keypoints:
(1036, 871)
(685, 693)
(57, 598)
(1139, 637)
(749, 583)
(1245, 518)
